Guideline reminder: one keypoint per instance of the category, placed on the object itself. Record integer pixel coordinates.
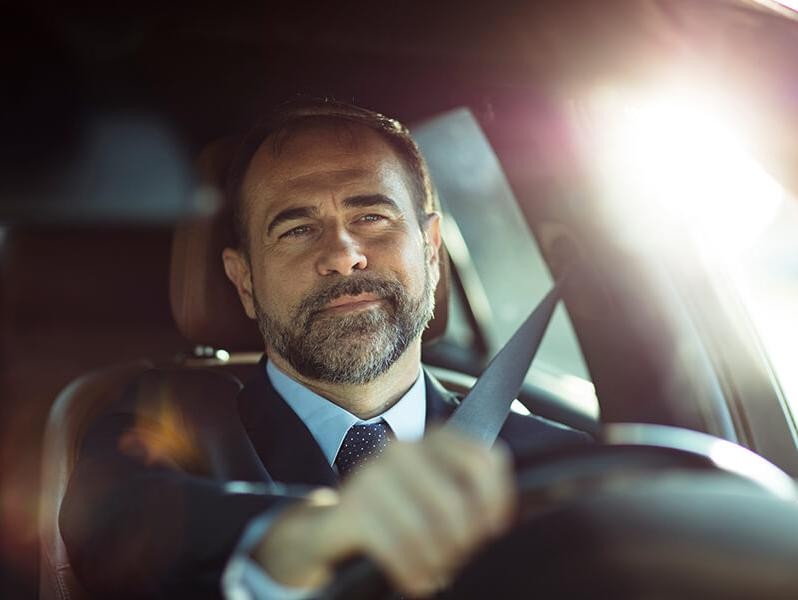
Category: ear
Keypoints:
(432, 237)
(238, 271)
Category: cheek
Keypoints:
(409, 259)
(278, 289)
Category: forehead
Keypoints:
(323, 160)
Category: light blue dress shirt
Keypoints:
(328, 423)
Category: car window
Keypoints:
(767, 278)
(498, 262)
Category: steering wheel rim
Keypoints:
(630, 449)
(626, 452)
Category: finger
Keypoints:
(399, 560)
(484, 475)
(394, 534)
(447, 513)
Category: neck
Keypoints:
(365, 400)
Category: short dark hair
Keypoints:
(291, 116)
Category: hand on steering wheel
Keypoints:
(632, 457)
(418, 512)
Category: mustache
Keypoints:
(388, 289)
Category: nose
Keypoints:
(340, 254)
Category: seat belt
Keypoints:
(480, 415)
(484, 409)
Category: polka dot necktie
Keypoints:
(361, 444)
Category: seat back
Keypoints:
(74, 409)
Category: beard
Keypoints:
(353, 348)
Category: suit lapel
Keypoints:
(285, 446)
(440, 401)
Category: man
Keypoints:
(337, 262)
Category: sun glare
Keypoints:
(674, 164)
(678, 156)
(792, 4)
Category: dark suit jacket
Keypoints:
(149, 511)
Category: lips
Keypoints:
(348, 301)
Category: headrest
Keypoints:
(205, 304)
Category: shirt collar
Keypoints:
(328, 423)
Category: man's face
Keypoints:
(340, 276)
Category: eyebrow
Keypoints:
(370, 200)
(306, 212)
(291, 214)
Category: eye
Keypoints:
(372, 218)
(296, 232)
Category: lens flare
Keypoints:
(162, 436)
(678, 182)
(677, 157)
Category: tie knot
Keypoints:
(362, 443)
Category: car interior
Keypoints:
(113, 222)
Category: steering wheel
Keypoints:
(651, 511)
